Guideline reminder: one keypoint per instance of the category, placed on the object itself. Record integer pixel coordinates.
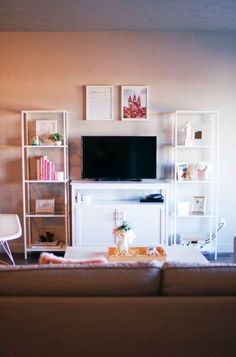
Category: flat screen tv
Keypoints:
(119, 157)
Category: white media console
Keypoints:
(98, 207)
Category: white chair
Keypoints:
(10, 228)
(234, 255)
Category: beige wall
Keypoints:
(188, 71)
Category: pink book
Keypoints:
(47, 170)
(38, 169)
(53, 170)
(44, 168)
(41, 168)
(50, 170)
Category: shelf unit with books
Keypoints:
(193, 146)
(45, 181)
(196, 141)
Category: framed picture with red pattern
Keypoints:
(134, 103)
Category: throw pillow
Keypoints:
(49, 258)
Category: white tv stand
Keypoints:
(98, 207)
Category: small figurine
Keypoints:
(152, 251)
(203, 170)
(189, 174)
(36, 141)
(188, 131)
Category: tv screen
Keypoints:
(119, 157)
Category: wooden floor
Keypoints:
(221, 258)
(20, 259)
(34, 257)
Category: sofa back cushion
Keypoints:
(199, 280)
(111, 279)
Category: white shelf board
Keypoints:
(193, 181)
(46, 181)
(45, 111)
(119, 185)
(45, 146)
(119, 203)
(195, 216)
(193, 146)
(46, 215)
(45, 248)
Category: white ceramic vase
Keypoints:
(123, 244)
(58, 143)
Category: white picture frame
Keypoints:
(199, 205)
(43, 206)
(99, 103)
(184, 208)
(181, 171)
(45, 127)
(134, 103)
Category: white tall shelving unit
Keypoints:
(42, 188)
(187, 226)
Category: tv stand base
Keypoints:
(99, 207)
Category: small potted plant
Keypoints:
(56, 138)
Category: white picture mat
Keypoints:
(99, 102)
(181, 169)
(46, 127)
(199, 204)
(45, 205)
(184, 208)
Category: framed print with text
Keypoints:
(99, 102)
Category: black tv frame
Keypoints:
(147, 157)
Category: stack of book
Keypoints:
(52, 245)
(42, 169)
(45, 169)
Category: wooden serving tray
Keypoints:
(137, 254)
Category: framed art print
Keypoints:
(134, 103)
(46, 127)
(184, 208)
(199, 205)
(45, 206)
(99, 102)
(181, 171)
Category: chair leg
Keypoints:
(234, 257)
(7, 251)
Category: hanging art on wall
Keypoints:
(99, 102)
(134, 103)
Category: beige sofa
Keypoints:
(118, 309)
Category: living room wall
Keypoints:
(185, 71)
